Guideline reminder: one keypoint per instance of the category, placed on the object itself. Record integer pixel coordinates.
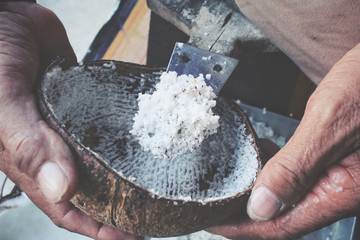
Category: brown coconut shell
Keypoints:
(111, 199)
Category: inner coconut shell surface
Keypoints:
(92, 107)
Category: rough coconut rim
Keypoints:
(81, 150)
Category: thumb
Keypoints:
(281, 183)
(289, 173)
(38, 160)
(287, 176)
(326, 134)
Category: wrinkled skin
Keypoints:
(316, 176)
(30, 36)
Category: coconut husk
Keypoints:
(86, 104)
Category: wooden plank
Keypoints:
(130, 44)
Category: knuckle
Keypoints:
(333, 108)
(62, 219)
(323, 110)
(25, 153)
(289, 175)
(58, 222)
(333, 124)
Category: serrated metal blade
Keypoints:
(216, 68)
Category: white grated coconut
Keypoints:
(224, 164)
(177, 117)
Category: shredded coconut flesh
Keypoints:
(97, 108)
(177, 117)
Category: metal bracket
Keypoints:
(216, 26)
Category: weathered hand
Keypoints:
(315, 179)
(31, 154)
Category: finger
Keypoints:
(37, 152)
(326, 134)
(48, 30)
(91, 227)
(51, 35)
(63, 214)
(334, 196)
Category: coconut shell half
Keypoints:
(91, 106)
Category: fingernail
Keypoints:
(263, 204)
(53, 182)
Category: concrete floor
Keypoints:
(28, 222)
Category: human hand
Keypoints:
(31, 154)
(315, 179)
